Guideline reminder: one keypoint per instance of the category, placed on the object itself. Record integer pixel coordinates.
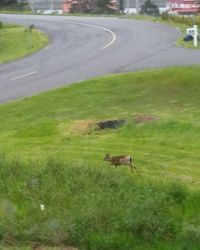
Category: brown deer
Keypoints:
(120, 160)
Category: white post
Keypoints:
(31, 3)
(127, 12)
(137, 6)
(52, 5)
(195, 38)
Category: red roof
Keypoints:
(182, 1)
(188, 10)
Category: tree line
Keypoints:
(7, 2)
(12, 4)
(101, 6)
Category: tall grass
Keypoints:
(94, 207)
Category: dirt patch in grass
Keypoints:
(144, 118)
(186, 178)
(111, 124)
(82, 127)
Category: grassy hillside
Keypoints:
(52, 153)
(16, 42)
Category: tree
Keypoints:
(122, 6)
(149, 8)
(7, 2)
(13, 4)
(102, 5)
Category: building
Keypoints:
(182, 7)
(133, 6)
(49, 6)
(78, 5)
(43, 5)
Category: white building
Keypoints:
(45, 5)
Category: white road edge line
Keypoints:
(98, 27)
(89, 25)
(113, 39)
(22, 76)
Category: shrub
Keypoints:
(149, 8)
(164, 15)
(178, 19)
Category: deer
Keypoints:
(119, 160)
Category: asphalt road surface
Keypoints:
(85, 47)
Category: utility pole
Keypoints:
(52, 4)
(195, 37)
(128, 6)
(31, 4)
(137, 5)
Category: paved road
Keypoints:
(85, 47)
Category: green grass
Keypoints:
(180, 26)
(52, 154)
(16, 42)
(45, 125)
(189, 44)
(91, 207)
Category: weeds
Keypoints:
(88, 206)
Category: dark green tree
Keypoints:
(7, 2)
(13, 4)
(149, 8)
(102, 5)
(122, 6)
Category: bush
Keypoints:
(149, 8)
(164, 15)
(178, 19)
(13, 5)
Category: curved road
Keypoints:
(86, 47)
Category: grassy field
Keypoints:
(16, 42)
(52, 153)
